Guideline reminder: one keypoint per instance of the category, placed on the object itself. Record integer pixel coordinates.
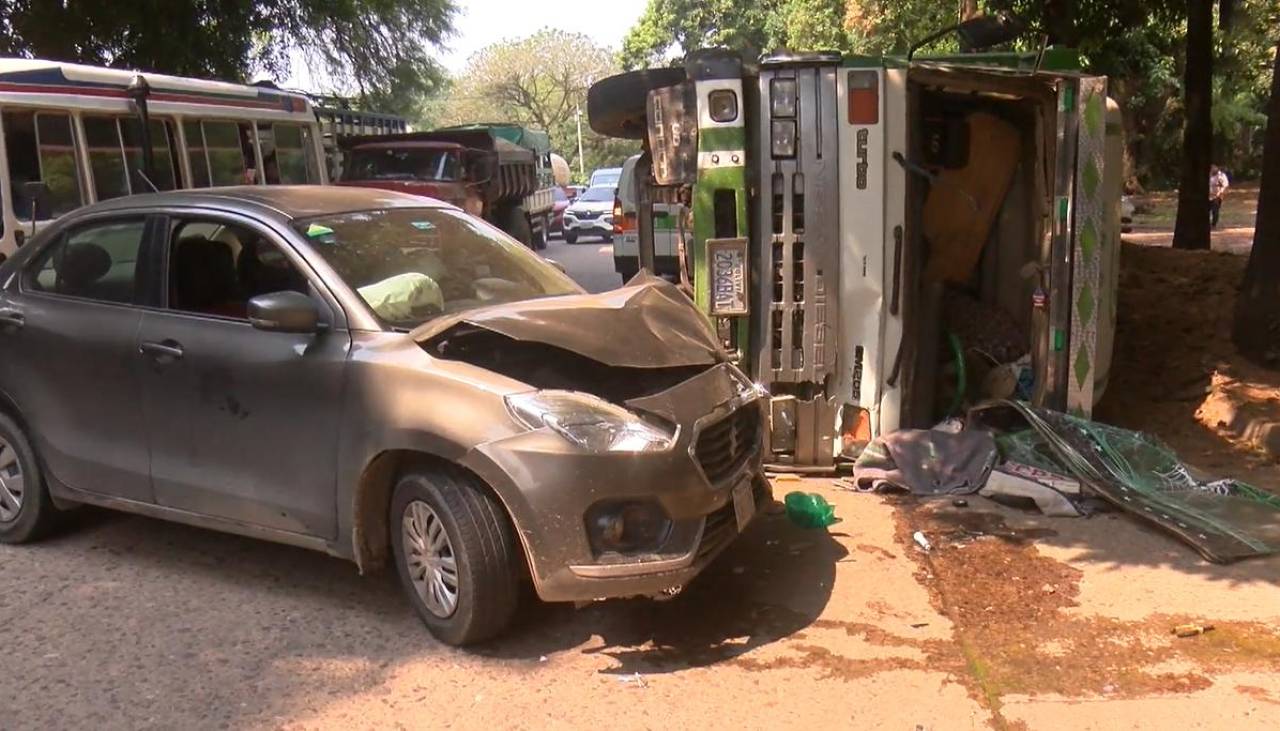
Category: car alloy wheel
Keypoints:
(11, 483)
(433, 568)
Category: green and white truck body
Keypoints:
(812, 180)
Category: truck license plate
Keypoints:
(728, 261)
(744, 503)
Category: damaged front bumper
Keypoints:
(708, 485)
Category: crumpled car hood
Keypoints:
(647, 324)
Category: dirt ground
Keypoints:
(1009, 621)
(1176, 373)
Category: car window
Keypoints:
(96, 262)
(412, 264)
(216, 267)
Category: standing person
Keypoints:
(1218, 185)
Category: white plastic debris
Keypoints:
(633, 680)
(922, 541)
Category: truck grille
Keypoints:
(726, 445)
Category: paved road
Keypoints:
(589, 262)
(126, 622)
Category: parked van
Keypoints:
(667, 230)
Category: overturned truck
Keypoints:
(879, 242)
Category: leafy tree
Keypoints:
(1257, 322)
(378, 47)
(540, 81)
(670, 28)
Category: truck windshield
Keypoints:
(413, 264)
(401, 164)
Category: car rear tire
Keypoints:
(26, 510)
(570, 236)
(456, 554)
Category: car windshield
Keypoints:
(597, 194)
(402, 164)
(413, 264)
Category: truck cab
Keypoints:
(881, 242)
(432, 169)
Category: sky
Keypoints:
(480, 23)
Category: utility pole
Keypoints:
(581, 171)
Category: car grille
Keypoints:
(726, 445)
(586, 215)
(722, 525)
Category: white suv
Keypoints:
(590, 215)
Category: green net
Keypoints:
(1224, 519)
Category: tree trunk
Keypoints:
(1192, 228)
(1060, 23)
(1257, 325)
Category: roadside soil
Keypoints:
(1176, 373)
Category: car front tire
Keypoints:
(456, 555)
(570, 236)
(26, 510)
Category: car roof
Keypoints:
(279, 201)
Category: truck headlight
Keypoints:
(782, 97)
(588, 421)
(782, 137)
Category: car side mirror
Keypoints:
(285, 312)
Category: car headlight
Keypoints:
(588, 421)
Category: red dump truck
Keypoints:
(498, 172)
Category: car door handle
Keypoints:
(12, 321)
(163, 351)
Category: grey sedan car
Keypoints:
(378, 376)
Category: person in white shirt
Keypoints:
(1218, 185)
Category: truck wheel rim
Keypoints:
(433, 568)
(12, 486)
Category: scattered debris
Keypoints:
(1224, 520)
(922, 541)
(634, 680)
(795, 549)
(1191, 629)
(960, 503)
(925, 462)
(542, 658)
(810, 510)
